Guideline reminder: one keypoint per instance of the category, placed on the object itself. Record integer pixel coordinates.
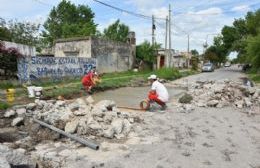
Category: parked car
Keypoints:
(227, 64)
(208, 67)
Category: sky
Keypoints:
(200, 19)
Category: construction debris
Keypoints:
(103, 119)
(220, 94)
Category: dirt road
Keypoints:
(212, 137)
(205, 137)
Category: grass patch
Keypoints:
(4, 106)
(167, 73)
(6, 84)
(254, 75)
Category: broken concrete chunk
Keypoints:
(251, 90)
(126, 127)
(71, 126)
(95, 125)
(247, 101)
(17, 121)
(109, 133)
(60, 103)
(117, 125)
(4, 163)
(21, 111)
(212, 103)
(90, 100)
(31, 106)
(9, 113)
(15, 157)
(104, 105)
(81, 102)
(239, 104)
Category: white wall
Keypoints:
(79, 48)
(23, 49)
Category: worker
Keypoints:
(90, 80)
(158, 92)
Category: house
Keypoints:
(172, 58)
(111, 56)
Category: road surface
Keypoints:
(231, 73)
(204, 138)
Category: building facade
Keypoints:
(111, 56)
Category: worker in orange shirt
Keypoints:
(90, 80)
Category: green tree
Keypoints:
(211, 55)
(147, 52)
(194, 52)
(242, 37)
(19, 32)
(253, 51)
(68, 20)
(117, 31)
(216, 53)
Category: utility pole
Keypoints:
(188, 49)
(170, 47)
(188, 52)
(153, 28)
(170, 40)
(166, 33)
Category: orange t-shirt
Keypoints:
(87, 79)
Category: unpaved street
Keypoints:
(231, 73)
(224, 133)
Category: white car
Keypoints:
(227, 64)
(208, 67)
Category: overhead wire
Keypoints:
(128, 12)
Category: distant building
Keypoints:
(172, 58)
(111, 56)
(25, 50)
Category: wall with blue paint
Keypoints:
(33, 68)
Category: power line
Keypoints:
(43, 3)
(128, 12)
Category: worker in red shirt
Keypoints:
(89, 80)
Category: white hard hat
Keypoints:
(152, 76)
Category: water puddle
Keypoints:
(131, 96)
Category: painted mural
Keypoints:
(33, 68)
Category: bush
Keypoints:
(186, 98)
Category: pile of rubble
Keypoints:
(220, 94)
(81, 116)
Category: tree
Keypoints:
(194, 52)
(68, 20)
(253, 51)
(117, 31)
(19, 32)
(242, 37)
(211, 55)
(216, 53)
(147, 52)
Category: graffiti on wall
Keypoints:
(30, 68)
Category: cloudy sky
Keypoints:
(201, 19)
